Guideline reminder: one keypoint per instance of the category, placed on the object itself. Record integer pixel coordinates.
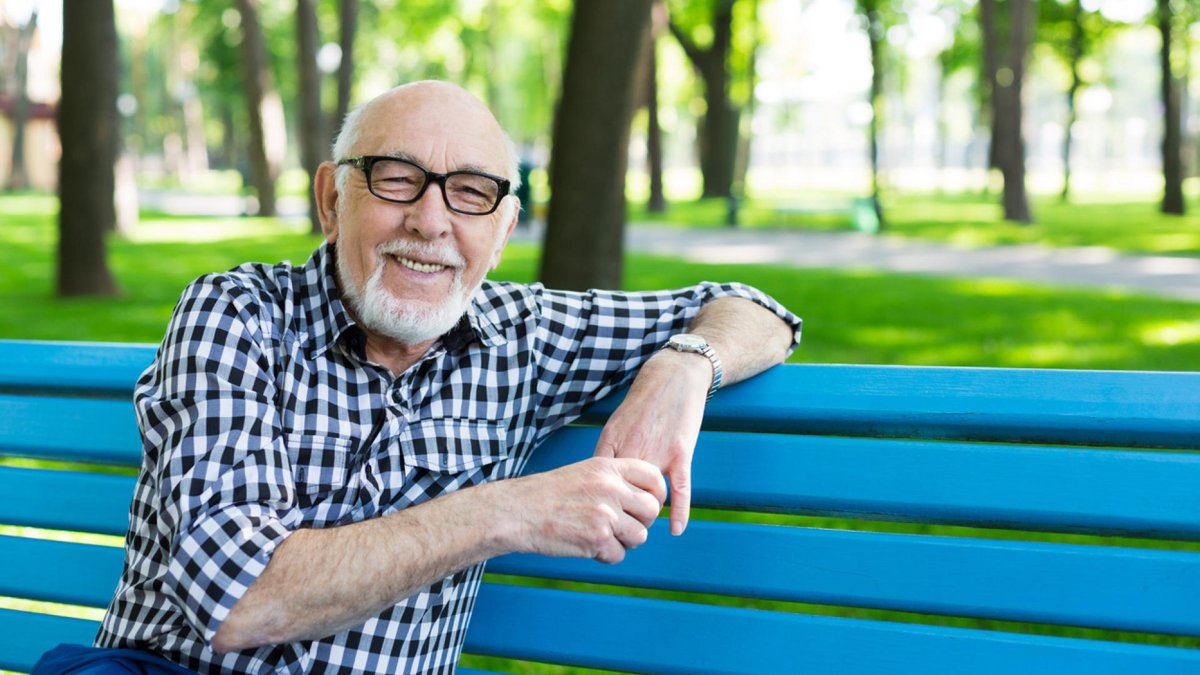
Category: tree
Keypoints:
(17, 179)
(657, 203)
(719, 128)
(348, 20)
(876, 15)
(1073, 33)
(584, 241)
(1172, 142)
(1006, 48)
(87, 127)
(262, 104)
(312, 131)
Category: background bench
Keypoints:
(816, 553)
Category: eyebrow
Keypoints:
(400, 154)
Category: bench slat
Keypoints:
(93, 367)
(1123, 408)
(1080, 407)
(624, 633)
(80, 430)
(1138, 493)
(55, 571)
(1095, 586)
(65, 500)
(25, 636)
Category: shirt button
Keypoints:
(397, 397)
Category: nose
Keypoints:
(429, 217)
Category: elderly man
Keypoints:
(327, 445)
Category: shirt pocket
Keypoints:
(452, 445)
(319, 465)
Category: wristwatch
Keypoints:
(690, 342)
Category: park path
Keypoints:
(1091, 267)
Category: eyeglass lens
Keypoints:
(402, 181)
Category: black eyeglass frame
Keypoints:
(366, 163)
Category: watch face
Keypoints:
(689, 341)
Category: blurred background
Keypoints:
(957, 182)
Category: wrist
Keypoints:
(696, 347)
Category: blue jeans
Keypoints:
(82, 660)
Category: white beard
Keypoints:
(409, 322)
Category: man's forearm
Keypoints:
(320, 581)
(747, 337)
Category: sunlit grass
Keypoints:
(850, 316)
(965, 220)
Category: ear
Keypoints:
(325, 190)
(508, 223)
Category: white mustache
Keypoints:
(429, 253)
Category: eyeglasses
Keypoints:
(472, 193)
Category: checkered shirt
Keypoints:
(254, 414)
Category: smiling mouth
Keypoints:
(424, 268)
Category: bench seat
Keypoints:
(851, 519)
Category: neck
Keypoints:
(394, 356)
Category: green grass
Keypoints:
(977, 220)
(850, 316)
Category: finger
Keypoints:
(629, 531)
(681, 498)
(644, 476)
(641, 505)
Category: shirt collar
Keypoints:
(330, 318)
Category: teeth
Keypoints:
(420, 267)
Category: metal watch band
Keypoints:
(688, 342)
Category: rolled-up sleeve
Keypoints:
(212, 440)
(592, 343)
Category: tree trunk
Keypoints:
(348, 10)
(1008, 146)
(256, 83)
(654, 154)
(17, 177)
(1172, 155)
(312, 135)
(1076, 51)
(875, 37)
(991, 66)
(87, 127)
(585, 228)
(718, 128)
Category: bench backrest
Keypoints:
(858, 519)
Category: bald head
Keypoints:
(433, 121)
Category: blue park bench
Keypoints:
(857, 519)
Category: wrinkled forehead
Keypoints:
(441, 126)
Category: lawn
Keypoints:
(967, 219)
(850, 317)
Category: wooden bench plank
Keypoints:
(80, 430)
(65, 500)
(1080, 407)
(1097, 586)
(643, 635)
(91, 367)
(25, 636)
(1138, 493)
(55, 571)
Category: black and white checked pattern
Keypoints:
(253, 412)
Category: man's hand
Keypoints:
(597, 508)
(659, 422)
